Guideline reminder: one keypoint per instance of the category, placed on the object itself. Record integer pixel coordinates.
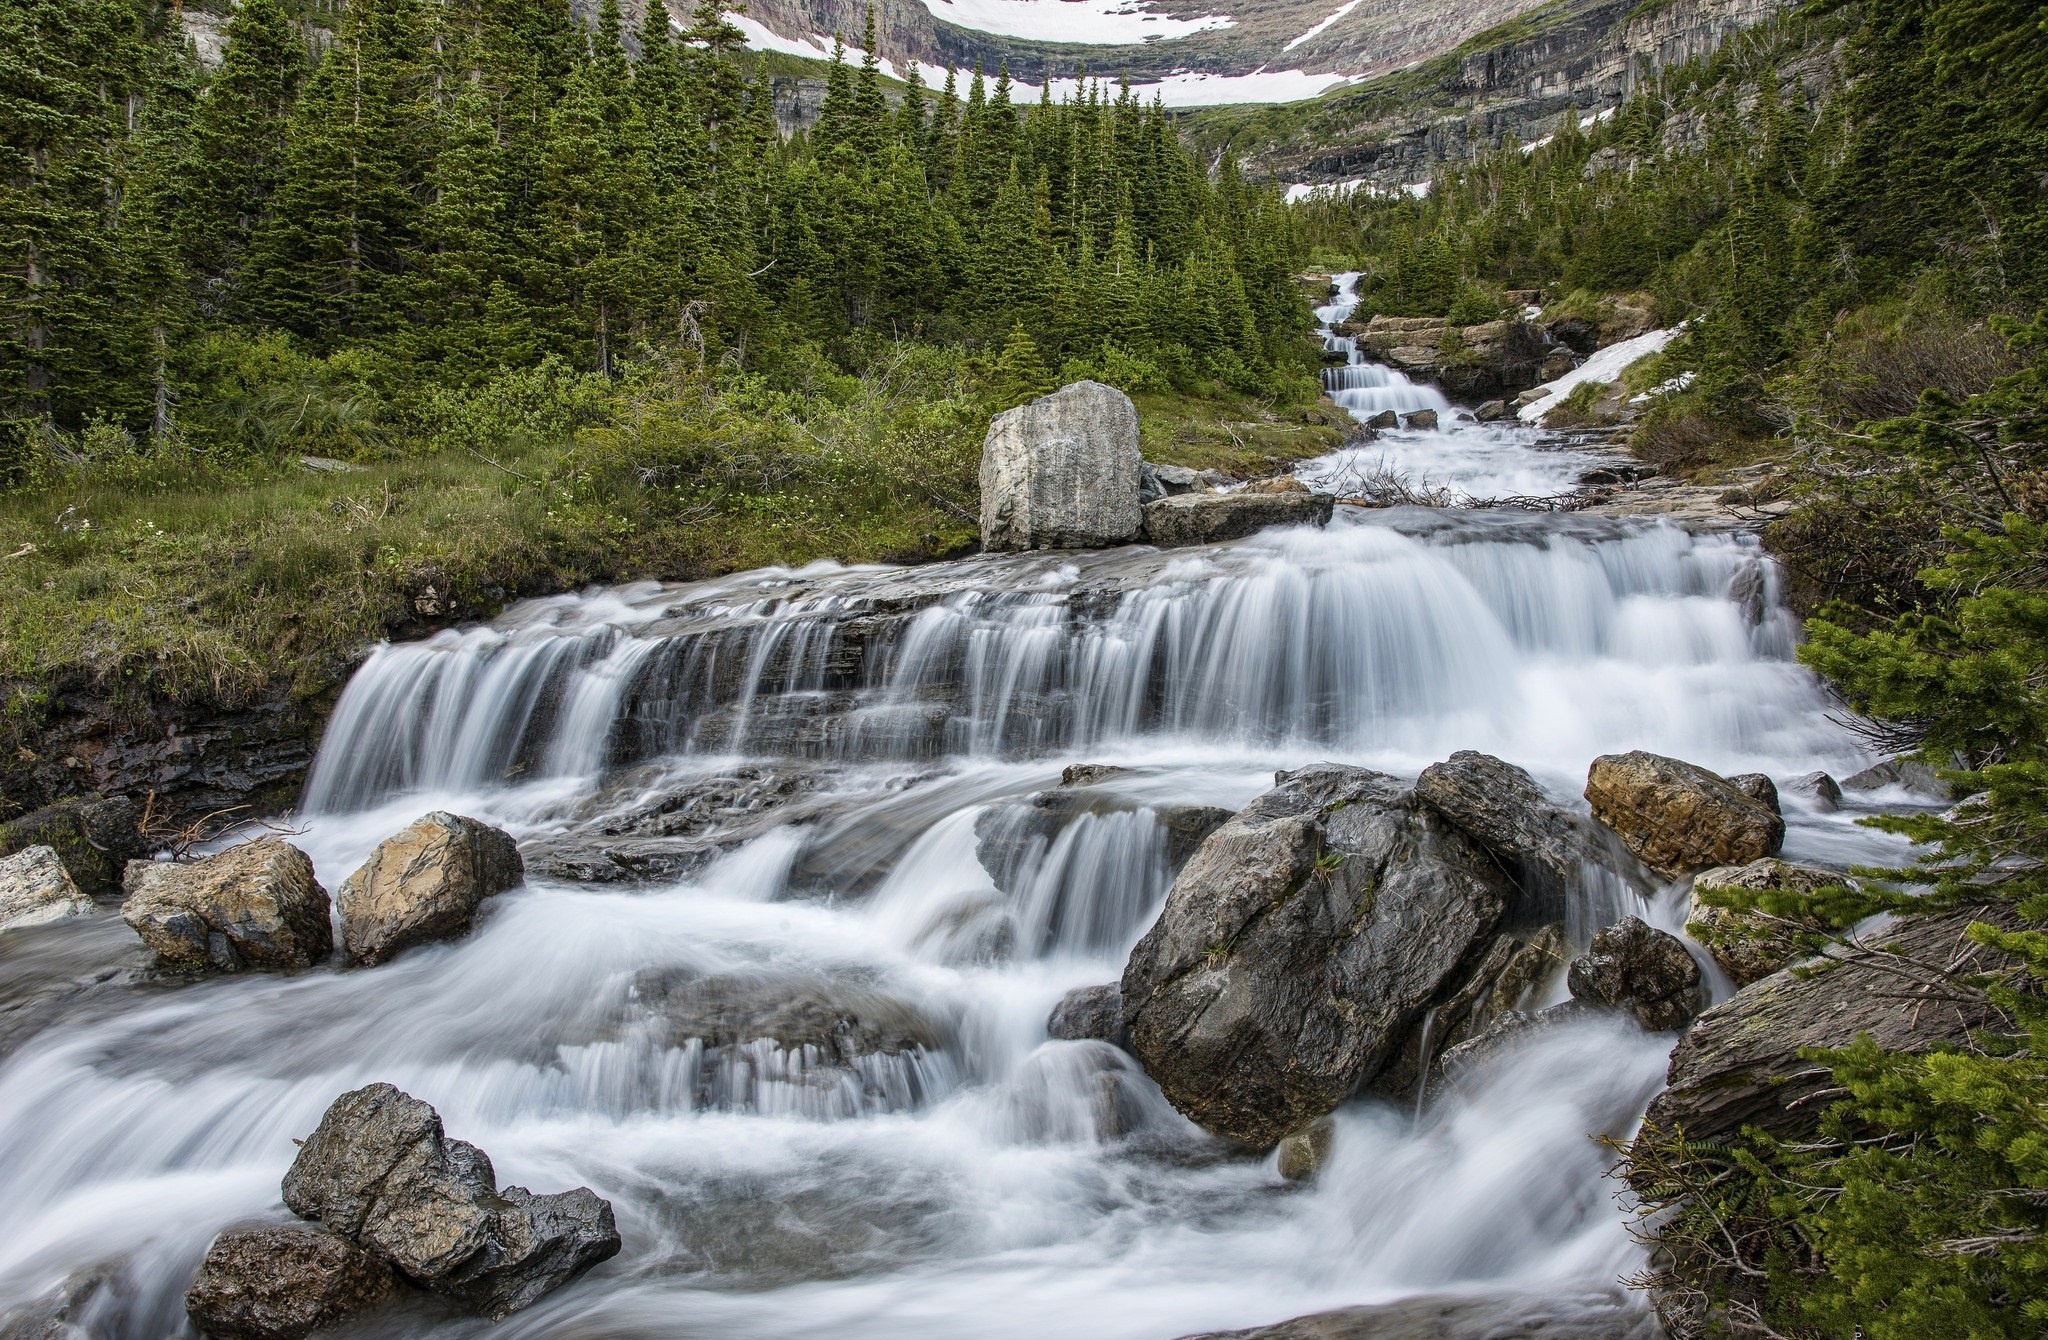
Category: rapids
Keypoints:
(985, 1181)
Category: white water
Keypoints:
(992, 1183)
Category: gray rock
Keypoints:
(1492, 980)
(839, 1022)
(1089, 1013)
(1493, 411)
(1303, 1154)
(1757, 787)
(95, 838)
(380, 1171)
(1301, 942)
(1524, 1315)
(252, 906)
(1824, 791)
(1916, 777)
(35, 888)
(1088, 774)
(1575, 333)
(1679, 817)
(1740, 1064)
(1543, 844)
(1423, 419)
(1386, 418)
(281, 1283)
(424, 883)
(1062, 472)
(1638, 968)
(1210, 518)
(1176, 479)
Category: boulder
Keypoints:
(1915, 777)
(1062, 472)
(1089, 1013)
(1752, 945)
(35, 888)
(1423, 420)
(1824, 791)
(1493, 411)
(380, 1171)
(1486, 987)
(1575, 333)
(1757, 787)
(1303, 1154)
(253, 906)
(280, 1283)
(1544, 846)
(424, 883)
(94, 837)
(1386, 418)
(1177, 479)
(1304, 939)
(1678, 817)
(1740, 1064)
(1638, 968)
(1210, 518)
(1556, 364)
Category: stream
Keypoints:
(813, 771)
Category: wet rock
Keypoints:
(1303, 1154)
(1543, 844)
(1824, 791)
(1385, 419)
(1752, 945)
(280, 1283)
(1062, 472)
(1275, 484)
(380, 1171)
(35, 888)
(1300, 943)
(1524, 1315)
(1424, 420)
(423, 883)
(1210, 518)
(1740, 1064)
(1678, 817)
(1601, 478)
(1177, 479)
(254, 906)
(1635, 967)
(1556, 364)
(1575, 333)
(1187, 828)
(94, 837)
(576, 860)
(85, 1305)
(1089, 1012)
(680, 832)
(1916, 777)
(840, 1022)
(1493, 981)
(1493, 411)
(1088, 774)
(1757, 787)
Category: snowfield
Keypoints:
(1092, 22)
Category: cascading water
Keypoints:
(859, 773)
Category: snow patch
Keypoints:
(1091, 22)
(1337, 190)
(1317, 31)
(1603, 366)
(1593, 120)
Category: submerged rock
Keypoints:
(1300, 943)
(1679, 817)
(1424, 420)
(1062, 472)
(35, 888)
(1302, 1155)
(1089, 1013)
(1750, 945)
(281, 1283)
(1740, 1064)
(1209, 518)
(1638, 968)
(380, 1171)
(252, 906)
(1909, 773)
(424, 883)
(94, 837)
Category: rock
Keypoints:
(1751, 945)
(1062, 472)
(256, 906)
(1089, 1012)
(1177, 479)
(1740, 1064)
(1575, 333)
(380, 1171)
(423, 883)
(1757, 787)
(1210, 518)
(678, 832)
(1493, 411)
(1386, 418)
(1423, 420)
(1914, 776)
(282, 1283)
(1678, 817)
(1543, 845)
(1303, 940)
(1275, 484)
(839, 1023)
(35, 888)
(95, 838)
(1637, 968)
(1556, 364)
(1530, 1314)
(1488, 984)
(1011, 838)
(88, 1303)
(1303, 1154)
(1824, 791)
(1088, 774)
(1625, 320)
(1600, 478)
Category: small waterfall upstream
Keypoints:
(801, 1044)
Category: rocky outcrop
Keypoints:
(1678, 817)
(1740, 1064)
(1209, 518)
(424, 883)
(1304, 939)
(1089, 1013)
(1062, 472)
(94, 837)
(380, 1171)
(281, 1283)
(35, 888)
(254, 906)
(1642, 971)
(1478, 362)
(1751, 945)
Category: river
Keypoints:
(841, 735)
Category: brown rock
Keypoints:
(1751, 945)
(253, 906)
(1678, 817)
(423, 883)
(282, 1283)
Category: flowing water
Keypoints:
(840, 766)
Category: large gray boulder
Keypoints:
(1062, 472)
(380, 1171)
(1210, 518)
(35, 888)
(252, 906)
(423, 883)
(1740, 1064)
(1306, 937)
(1678, 817)
(281, 1283)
